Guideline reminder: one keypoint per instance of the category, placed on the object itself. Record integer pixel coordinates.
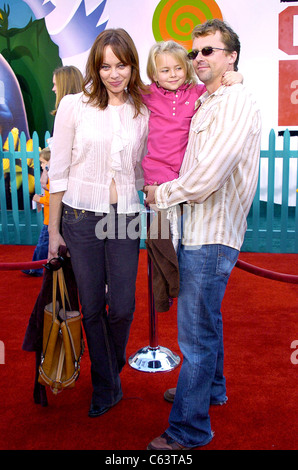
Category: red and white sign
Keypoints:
(288, 69)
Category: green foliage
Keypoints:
(33, 56)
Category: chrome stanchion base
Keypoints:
(158, 359)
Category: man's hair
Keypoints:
(229, 37)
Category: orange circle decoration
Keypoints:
(176, 19)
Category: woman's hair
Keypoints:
(228, 36)
(180, 54)
(69, 80)
(124, 48)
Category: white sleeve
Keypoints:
(61, 150)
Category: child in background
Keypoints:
(173, 93)
(41, 250)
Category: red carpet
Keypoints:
(260, 324)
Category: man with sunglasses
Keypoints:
(216, 187)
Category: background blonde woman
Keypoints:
(67, 80)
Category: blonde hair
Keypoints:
(69, 80)
(180, 54)
(45, 154)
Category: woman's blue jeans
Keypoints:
(204, 273)
(105, 262)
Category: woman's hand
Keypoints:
(55, 240)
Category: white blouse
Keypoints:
(91, 147)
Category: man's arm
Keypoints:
(219, 149)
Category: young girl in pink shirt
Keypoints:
(171, 101)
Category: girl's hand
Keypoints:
(36, 198)
(231, 78)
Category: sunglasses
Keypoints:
(54, 264)
(205, 52)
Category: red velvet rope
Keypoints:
(290, 278)
(23, 265)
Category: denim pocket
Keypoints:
(226, 260)
(73, 216)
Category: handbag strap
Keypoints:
(59, 276)
(63, 290)
(64, 295)
(54, 295)
(54, 314)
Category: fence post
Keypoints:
(285, 191)
(13, 189)
(3, 205)
(36, 163)
(256, 216)
(25, 189)
(46, 137)
(270, 191)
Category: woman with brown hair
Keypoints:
(98, 144)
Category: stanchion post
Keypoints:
(153, 328)
(153, 358)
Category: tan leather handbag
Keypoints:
(63, 343)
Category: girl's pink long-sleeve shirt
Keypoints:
(169, 122)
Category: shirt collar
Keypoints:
(205, 96)
(183, 87)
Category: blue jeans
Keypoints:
(104, 259)
(42, 247)
(204, 273)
